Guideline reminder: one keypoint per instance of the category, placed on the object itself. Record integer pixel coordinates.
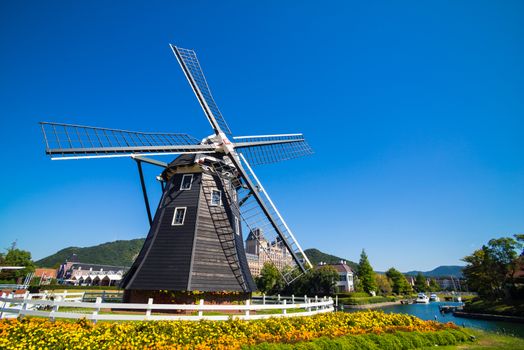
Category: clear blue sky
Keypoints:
(415, 111)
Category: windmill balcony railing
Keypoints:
(70, 306)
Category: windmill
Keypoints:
(210, 194)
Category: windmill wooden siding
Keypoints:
(190, 256)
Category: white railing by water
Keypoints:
(48, 305)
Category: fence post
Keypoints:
(27, 297)
(200, 311)
(278, 298)
(59, 298)
(336, 302)
(103, 295)
(55, 307)
(65, 294)
(149, 306)
(3, 306)
(264, 299)
(284, 310)
(306, 300)
(316, 301)
(292, 298)
(95, 313)
(248, 302)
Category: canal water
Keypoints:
(429, 311)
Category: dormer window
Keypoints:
(179, 216)
(187, 180)
(216, 197)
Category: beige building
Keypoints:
(259, 251)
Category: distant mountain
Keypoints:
(315, 256)
(441, 271)
(117, 253)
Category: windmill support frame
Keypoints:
(144, 190)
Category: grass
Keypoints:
(365, 300)
(507, 308)
(486, 341)
(406, 340)
(444, 296)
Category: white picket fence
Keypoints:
(48, 305)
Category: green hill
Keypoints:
(117, 253)
(316, 256)
(122, 253)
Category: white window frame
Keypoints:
(190, 182)
(219, 198)
(173, 223)
(237, 226)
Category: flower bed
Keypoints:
(32, 333)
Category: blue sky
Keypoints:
(414, 110)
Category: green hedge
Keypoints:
(397, 340)
(367, 300)
(35, 289)
(353, 295)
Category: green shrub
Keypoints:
(68, 287)
(356, 295)
(397, 340)
(367, 300)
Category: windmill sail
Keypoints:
(272, 148)
(191, 67)
(78, 141)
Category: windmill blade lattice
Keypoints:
(66, 140)
(260, 150)
(191, 67)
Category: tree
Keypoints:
(319, 281)
(16, 257)
(357, 284)
(399, 283)
(366, 273)
(490, 270)
(322, 281)
(434, 286)
(477, 272)
(270, 280)
(383, 284)
(420, 283)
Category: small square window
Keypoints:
(179, 216)
(187, 180)
(216, 197)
